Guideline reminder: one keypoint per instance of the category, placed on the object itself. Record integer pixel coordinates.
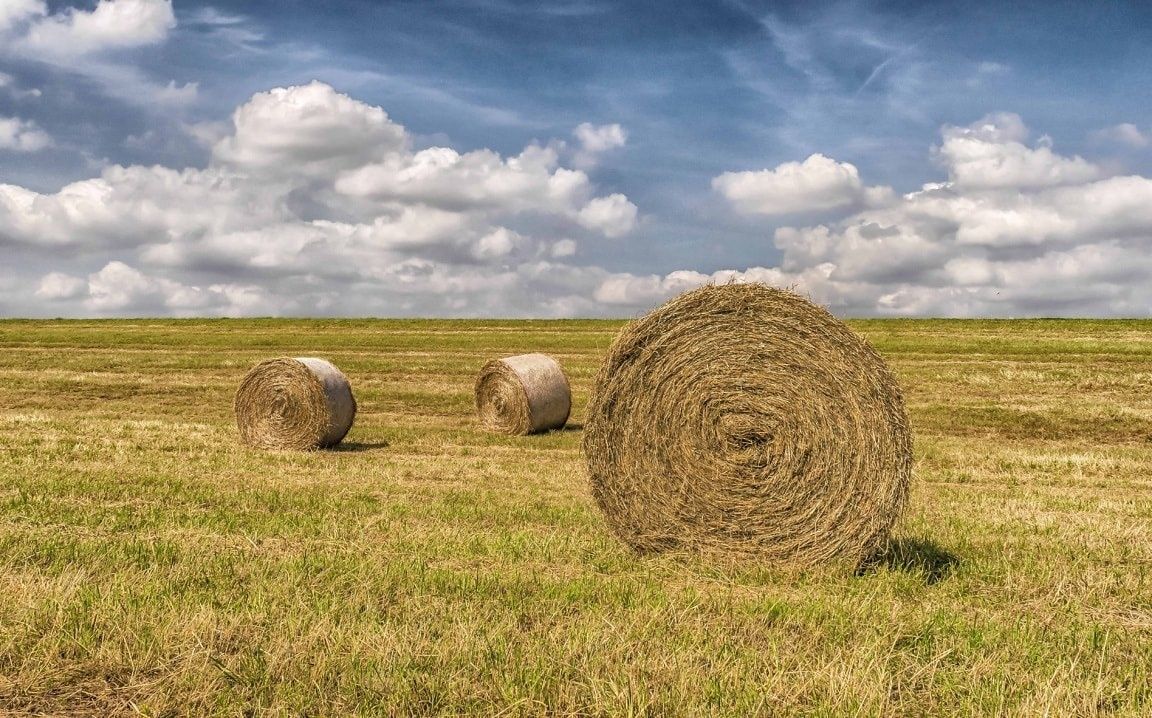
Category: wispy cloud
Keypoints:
(239, 32)
(86, 43)
(884, 65)
(1125, 133)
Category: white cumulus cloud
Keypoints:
(17, 12)
(1015, 230)
(307, 130)
(118, 288)
(58, 285)
(818, 183)
(991, 154)
(599, 138)
(1125, 133)
(87, 42)
(613, 215)
(316, 203)
(111, 24)
(320, 202)
(22, 135)
(595, 140)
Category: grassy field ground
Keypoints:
(151, 565)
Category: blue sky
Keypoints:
(572, 159)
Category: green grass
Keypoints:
(149, 565)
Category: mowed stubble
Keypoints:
(151, 564)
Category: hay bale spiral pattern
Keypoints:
(523, 394)
(302, 403)
(744, 419)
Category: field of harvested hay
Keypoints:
(150, 564)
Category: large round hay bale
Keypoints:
(302, 403)
(744, 419)
(523, 394)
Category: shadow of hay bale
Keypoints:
(913, 555)
(358, 446)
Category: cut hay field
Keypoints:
(151, 565)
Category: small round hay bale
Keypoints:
(302, 403)
(524, 394)
(745, 420)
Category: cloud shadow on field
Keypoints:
(914, 555)
(358, 446)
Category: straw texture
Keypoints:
(302, 403)
(523, 394)
(743, 419)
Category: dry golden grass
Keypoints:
(151, 565)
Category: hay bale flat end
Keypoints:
(525, 394)
(744, 419)
(301, 403)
